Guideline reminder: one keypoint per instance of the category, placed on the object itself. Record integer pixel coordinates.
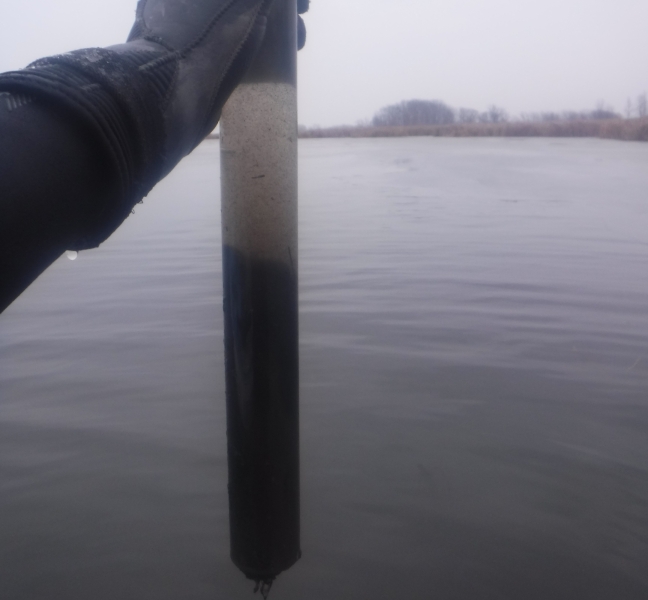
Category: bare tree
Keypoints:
(575, 115)
(642, 105)
(494, 114)
(603, 112)
(550, 117)
(467, 115)
(414, 112)
(628, 109)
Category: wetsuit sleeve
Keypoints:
(53, 176)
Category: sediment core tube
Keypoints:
(259, 221)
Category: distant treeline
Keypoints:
(435, 118)
(618, 129)
(433, 112)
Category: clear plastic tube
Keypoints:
(259, 220)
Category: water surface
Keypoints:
(474, 378)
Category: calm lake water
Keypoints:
(474, 384)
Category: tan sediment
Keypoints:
(258, 171)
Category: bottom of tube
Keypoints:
(264, 586)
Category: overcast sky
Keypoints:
(361, 55)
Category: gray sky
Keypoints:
(364, 54)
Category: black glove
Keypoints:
(150, 101)
(302, 7)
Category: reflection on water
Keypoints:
(474, 369)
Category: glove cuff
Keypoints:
(119, 97)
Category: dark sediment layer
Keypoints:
(262, 381)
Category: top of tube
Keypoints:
(276, 60)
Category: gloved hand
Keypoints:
(302, 7)
(150, 101)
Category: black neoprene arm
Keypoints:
(52, 174)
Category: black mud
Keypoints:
(262, 380)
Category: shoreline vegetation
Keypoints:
(615, 129)
(437, 119)
(635, 129)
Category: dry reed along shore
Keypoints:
(617, 129)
